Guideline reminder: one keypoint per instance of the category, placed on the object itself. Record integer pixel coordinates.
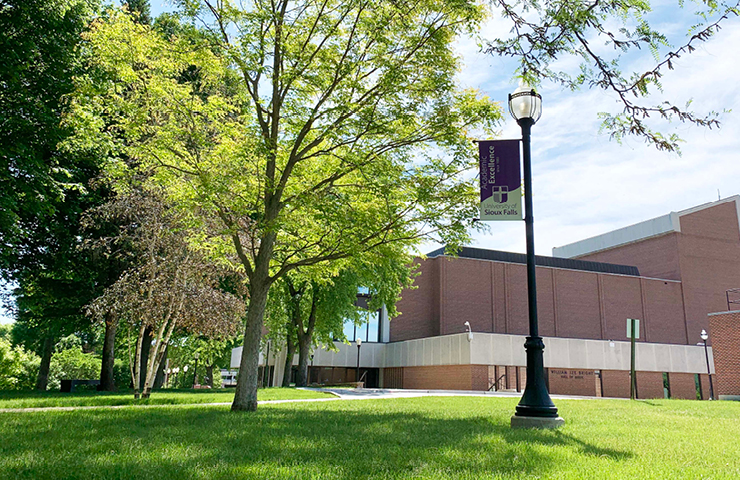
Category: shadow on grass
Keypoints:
(281, 442)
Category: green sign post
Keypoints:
(633, 332)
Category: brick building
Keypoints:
(670, 272)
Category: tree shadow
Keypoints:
(343, 440)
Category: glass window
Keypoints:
(373, 330)
(349, 330)
(368, 331)
(362, 332)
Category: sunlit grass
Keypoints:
(9, 399)
(431, 438)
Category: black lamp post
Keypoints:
(535, 409)
(704, 338)
(358, 340)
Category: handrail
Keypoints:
(496, 382)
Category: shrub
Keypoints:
(73, 364)
(18, 367)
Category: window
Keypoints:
(367, 331)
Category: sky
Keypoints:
(585, 184)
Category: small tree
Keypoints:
(172, 288)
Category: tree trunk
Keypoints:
(209, 375)
(245, 398)
(290, 353)
(304, 351)
(159, 379)
(107, 384)
(43, 379)
(146, 346)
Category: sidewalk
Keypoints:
(340, 394)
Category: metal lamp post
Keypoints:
(358, 340)
(535, 409)
(704, 338)
(195, 369)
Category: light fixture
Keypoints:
(525, 103)
(470, 331)
(704, 335)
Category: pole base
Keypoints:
(536, 422)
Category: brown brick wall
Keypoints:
(622, 300)
(517, 309)
(616, 383)
(724, 331)
(710, 262)
(683, 385)
(578, 309)
(511, 378)
(650, 385)
(479, 374)
(655, 257)
(444, 377)
(664, 313)
(572, 382)
(419, 308)
(468, 291)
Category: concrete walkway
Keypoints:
(380, 393)
(339, 394)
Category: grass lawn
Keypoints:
(432, 438)
(162, 397)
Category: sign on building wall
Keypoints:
(500, 180)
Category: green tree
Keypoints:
(309, 307)
(43, 189)
(40, 59)
(318, 133)
(141, 10)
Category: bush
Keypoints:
(73, 364)
(18, 367)
(122, 373)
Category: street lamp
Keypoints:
(535, 409)
(470, 331)
(358, 341)
(704, 338)
(195, 370)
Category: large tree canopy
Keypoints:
(300, 132)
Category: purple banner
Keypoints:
(500, 180)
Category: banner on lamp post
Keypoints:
(500, 180)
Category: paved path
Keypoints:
(378, 393)
(339, 394)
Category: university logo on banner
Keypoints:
(500, 180)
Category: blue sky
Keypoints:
(583, 183)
